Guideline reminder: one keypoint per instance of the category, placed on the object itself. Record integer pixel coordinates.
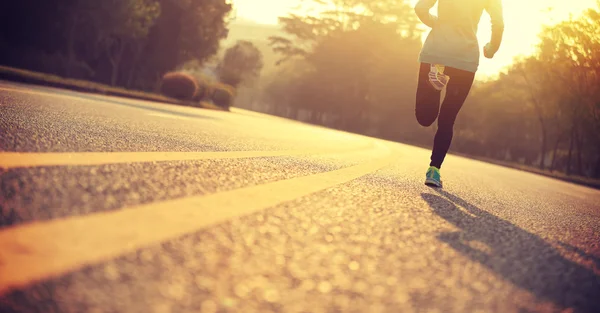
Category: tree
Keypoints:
(529, 75)
(346, 15)
(185, 30)
(241, 63)
(122, 24)
(96, 29)
(130, 43)
(571, 52)
(348, 51)
(545, 102)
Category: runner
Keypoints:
(450, 58)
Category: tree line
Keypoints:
(545, 110)
(354, 67)
(127, 43)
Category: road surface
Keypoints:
(119, 205)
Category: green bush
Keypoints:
(222, 95)
(179, 86)
(202, 92)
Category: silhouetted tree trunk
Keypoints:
(597, 167)
(134, 65)
(163, 48)
(294, 112)
(556, 144)
(578, 148)
(319, 117)
(543, 147)
(115, 62)
(71, 46)
(571, 141)
(540, 114)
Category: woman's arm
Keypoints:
(422, 9)
(494, 9)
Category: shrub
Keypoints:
(222, 95)
(179, 86)
(203, 91)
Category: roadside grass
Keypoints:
(49, 80)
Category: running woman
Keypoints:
(449, 59)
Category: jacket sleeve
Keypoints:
(422, 9)
(494, 9)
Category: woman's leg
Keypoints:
(428, 99)
(457, 91)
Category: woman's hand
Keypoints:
(487, 51)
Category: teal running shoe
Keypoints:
(434, 178)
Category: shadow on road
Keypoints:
(581, 253)
(166, 111)
(520, 257)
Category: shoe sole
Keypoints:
(436, 83)
(433, 183)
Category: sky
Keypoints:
(524, 19)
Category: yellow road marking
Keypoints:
(42, 250)
(10, 160)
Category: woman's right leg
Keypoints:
(428, 98)
(456, 93)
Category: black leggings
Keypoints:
(428, 107)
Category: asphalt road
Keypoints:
(117, 205)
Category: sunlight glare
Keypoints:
(523, 19)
